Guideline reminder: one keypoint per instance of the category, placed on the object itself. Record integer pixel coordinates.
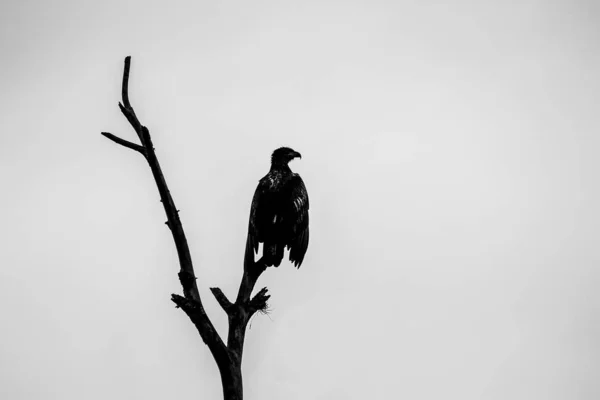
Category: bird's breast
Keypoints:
(274, 181)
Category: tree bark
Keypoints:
(228, 357)
(231, 379)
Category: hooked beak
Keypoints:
(296, 154)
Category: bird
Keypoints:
(279, 214)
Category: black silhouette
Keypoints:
(291, 203)
(279, 213)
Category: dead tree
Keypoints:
(227, 356)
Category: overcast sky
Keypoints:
(450, 152)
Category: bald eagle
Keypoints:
(279, 213)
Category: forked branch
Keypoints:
(123, 142)
(190, 302)
(228, 358)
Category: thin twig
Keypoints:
(125, 85)
(126, 143)
(222, 299)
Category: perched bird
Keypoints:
(279, 213)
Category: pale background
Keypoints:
(451, 156)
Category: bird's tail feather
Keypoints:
(273, 254)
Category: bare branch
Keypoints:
(125, 86)
(197, 315)
(244, 308)
(191, 302)
(126, 107)
(228, 357)
(132, 118)
(125, 143)
(145, 138)
(252, 271)
(259, 301)
(223, 301)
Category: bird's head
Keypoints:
(283, 155)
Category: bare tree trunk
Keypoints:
(231, 379)
(228, 357)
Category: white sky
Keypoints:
(451, 157)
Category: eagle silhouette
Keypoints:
(279, 213)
